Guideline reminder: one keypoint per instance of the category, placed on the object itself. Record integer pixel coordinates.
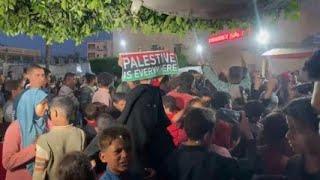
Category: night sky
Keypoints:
(36, 42)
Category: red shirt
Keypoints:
(182, 99)
(178, 134)
(92, 123)
(14, 157)
(222, 135)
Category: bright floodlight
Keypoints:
(263, 37)
(199, 48)
(123, 43)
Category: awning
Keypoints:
(289, 53)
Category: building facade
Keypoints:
(99, 49)
(137, 41)
(19, 55)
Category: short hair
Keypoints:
(220, 99)
(108, 135)
(170, 102)
(33, 67)
(91, 111)
(116, 97)
(184, 82)
(236, 73)
(254, 109)
(64, 104)
(75, 166)
(197, 122)
(105, 79)
(68, 75)
(274, 128)
(105, 121)
(11, 85)
(46, 72)
(90, 77)
(303, 114)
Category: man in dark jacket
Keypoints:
(145, 118)
(87, 91)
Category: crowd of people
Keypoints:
(193, 126)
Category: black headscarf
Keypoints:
(145, 118)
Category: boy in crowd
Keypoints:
(119, 101)
(193, 160)
(61, 139)
(182, 89)
(91, 112)
(170, 106)
(103, 121)
(75, 166)
(175, 130)
(115, 151)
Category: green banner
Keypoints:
(147, 65)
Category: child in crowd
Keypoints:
(104, 121)
(115, 151)
(91, 113)
(170, 106)
(193, 160)
(182, 89)
(175, 130)
(75, 166)
(61, 139)
(119, 101)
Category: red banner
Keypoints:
(227, 36)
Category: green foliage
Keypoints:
(106, 65)
(291, 11)
(59, 20)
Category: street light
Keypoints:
(263, 37)
(123, 43)
(199, 49)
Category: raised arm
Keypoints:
(315, 101)
(212, 76)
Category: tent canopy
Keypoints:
(289, 53)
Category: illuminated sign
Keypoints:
(227, 36)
